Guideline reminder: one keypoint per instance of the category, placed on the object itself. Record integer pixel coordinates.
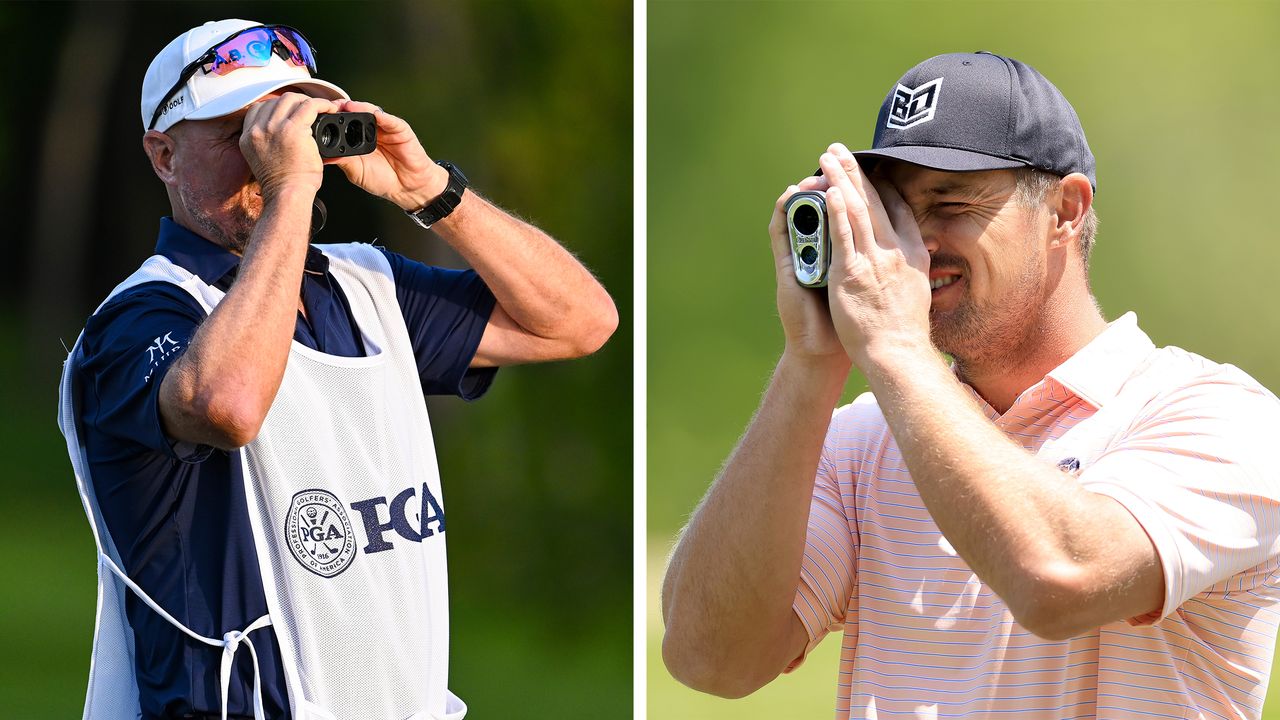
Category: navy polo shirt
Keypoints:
(177, 511)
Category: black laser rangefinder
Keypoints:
(345, 134)
(807, 234)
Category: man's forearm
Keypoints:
(221, 388)
(1051, 550)
(729, 587)
(537, 282)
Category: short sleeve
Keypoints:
(827, 572)
(446, 312)
(128, 347)
(1197, 472)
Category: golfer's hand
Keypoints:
(400, 169)
(277, 144)
(806, 322)
(878, 285)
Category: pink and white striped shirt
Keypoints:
(1182, 442)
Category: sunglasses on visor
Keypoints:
(251, 47)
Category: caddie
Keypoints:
(1064, 521)
(245, 413)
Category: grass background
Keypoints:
(1177, 100)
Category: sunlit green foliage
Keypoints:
(743, 96)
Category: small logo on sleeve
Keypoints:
(912, 106)
(1069, 465)
(160, 350)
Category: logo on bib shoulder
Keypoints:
(319, 533)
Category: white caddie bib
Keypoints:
(347, 514)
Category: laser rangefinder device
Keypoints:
(345, 134)
(810, 242)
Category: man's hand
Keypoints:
(878, 285)
(549, 306)
(277, 144)
(806, 321)
(399, 170)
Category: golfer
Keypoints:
(245, 413)
(1066, 521)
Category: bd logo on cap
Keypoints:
(912, 106)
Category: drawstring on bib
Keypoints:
(230, 643)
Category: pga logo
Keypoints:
(913, 106)
(320, 535)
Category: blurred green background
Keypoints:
(533, 99)
(1179, 104)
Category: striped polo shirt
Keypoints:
(1183, 443)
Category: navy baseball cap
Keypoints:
(963, 112)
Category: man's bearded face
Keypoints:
(987, 256)
(215, 184)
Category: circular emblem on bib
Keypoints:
(319, 533)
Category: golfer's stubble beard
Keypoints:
(232, 223)
(994, 332)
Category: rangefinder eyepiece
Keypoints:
(345, 134)
(807, 233)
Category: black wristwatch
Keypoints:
(439, 209)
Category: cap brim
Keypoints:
(940, 158)
(244, 96)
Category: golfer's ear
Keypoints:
(161, 149)
(1072, 202)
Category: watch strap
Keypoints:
(446, 202)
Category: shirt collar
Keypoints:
(188, 250)
(211, 262)
(1098, 370)
(1095, 373)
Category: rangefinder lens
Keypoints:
(328, 135)
(807, 234)
(355, 133)
(806, 220)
